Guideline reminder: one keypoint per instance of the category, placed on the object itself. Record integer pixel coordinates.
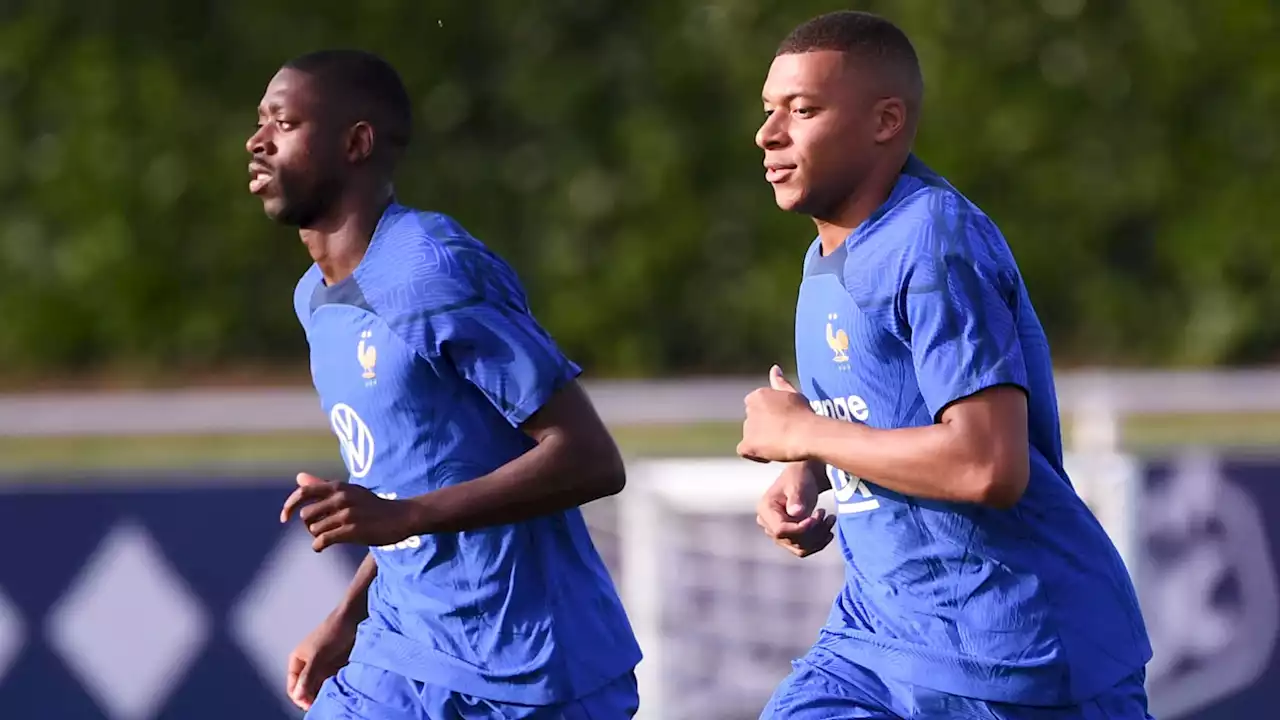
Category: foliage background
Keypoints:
(1129, 150)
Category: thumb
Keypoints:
(796, 505)
(300, 694)
(305, 479)
(778, 382)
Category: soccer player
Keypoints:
(978, 585)
(469, 443)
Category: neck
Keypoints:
(337, 243)
(834, 227)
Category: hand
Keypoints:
(319, 657)
(348, 513)
(787, 513)
(774, 428)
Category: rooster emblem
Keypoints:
(367, 355)
(838, 341)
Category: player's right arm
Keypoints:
(354, 607)
(788, 511)
(322, 653)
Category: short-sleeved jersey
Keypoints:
(923, 306)
(427, 360)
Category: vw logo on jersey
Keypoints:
(355, 438)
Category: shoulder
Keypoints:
(428, 262)
(303, 292)
(943, 222)
(932, 228)
(931, 245)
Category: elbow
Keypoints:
(586, 465)
(611, 476)
(1000, 484)
(614, 482)
(601, 470)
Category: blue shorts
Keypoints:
(364, 692)
(825, 687)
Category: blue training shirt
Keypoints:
(922, 306)
(427, 360)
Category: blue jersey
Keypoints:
(427, 360)
(922, 306)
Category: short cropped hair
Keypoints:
(866, 37)
(368, 85)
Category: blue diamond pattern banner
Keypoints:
(169, 601)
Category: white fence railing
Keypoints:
(1095, 395)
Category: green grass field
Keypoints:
(302, 450)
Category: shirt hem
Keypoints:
(400, 655)
(1043, 685)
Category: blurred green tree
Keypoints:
(1129, 151)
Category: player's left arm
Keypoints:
(473, 323)
(957, 311)
(489, 338)
(573, 462)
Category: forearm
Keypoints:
(817, 470)
(549, 478)
(354, 605)
(926, 462)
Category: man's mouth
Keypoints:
(778, 172)
(259, 178)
